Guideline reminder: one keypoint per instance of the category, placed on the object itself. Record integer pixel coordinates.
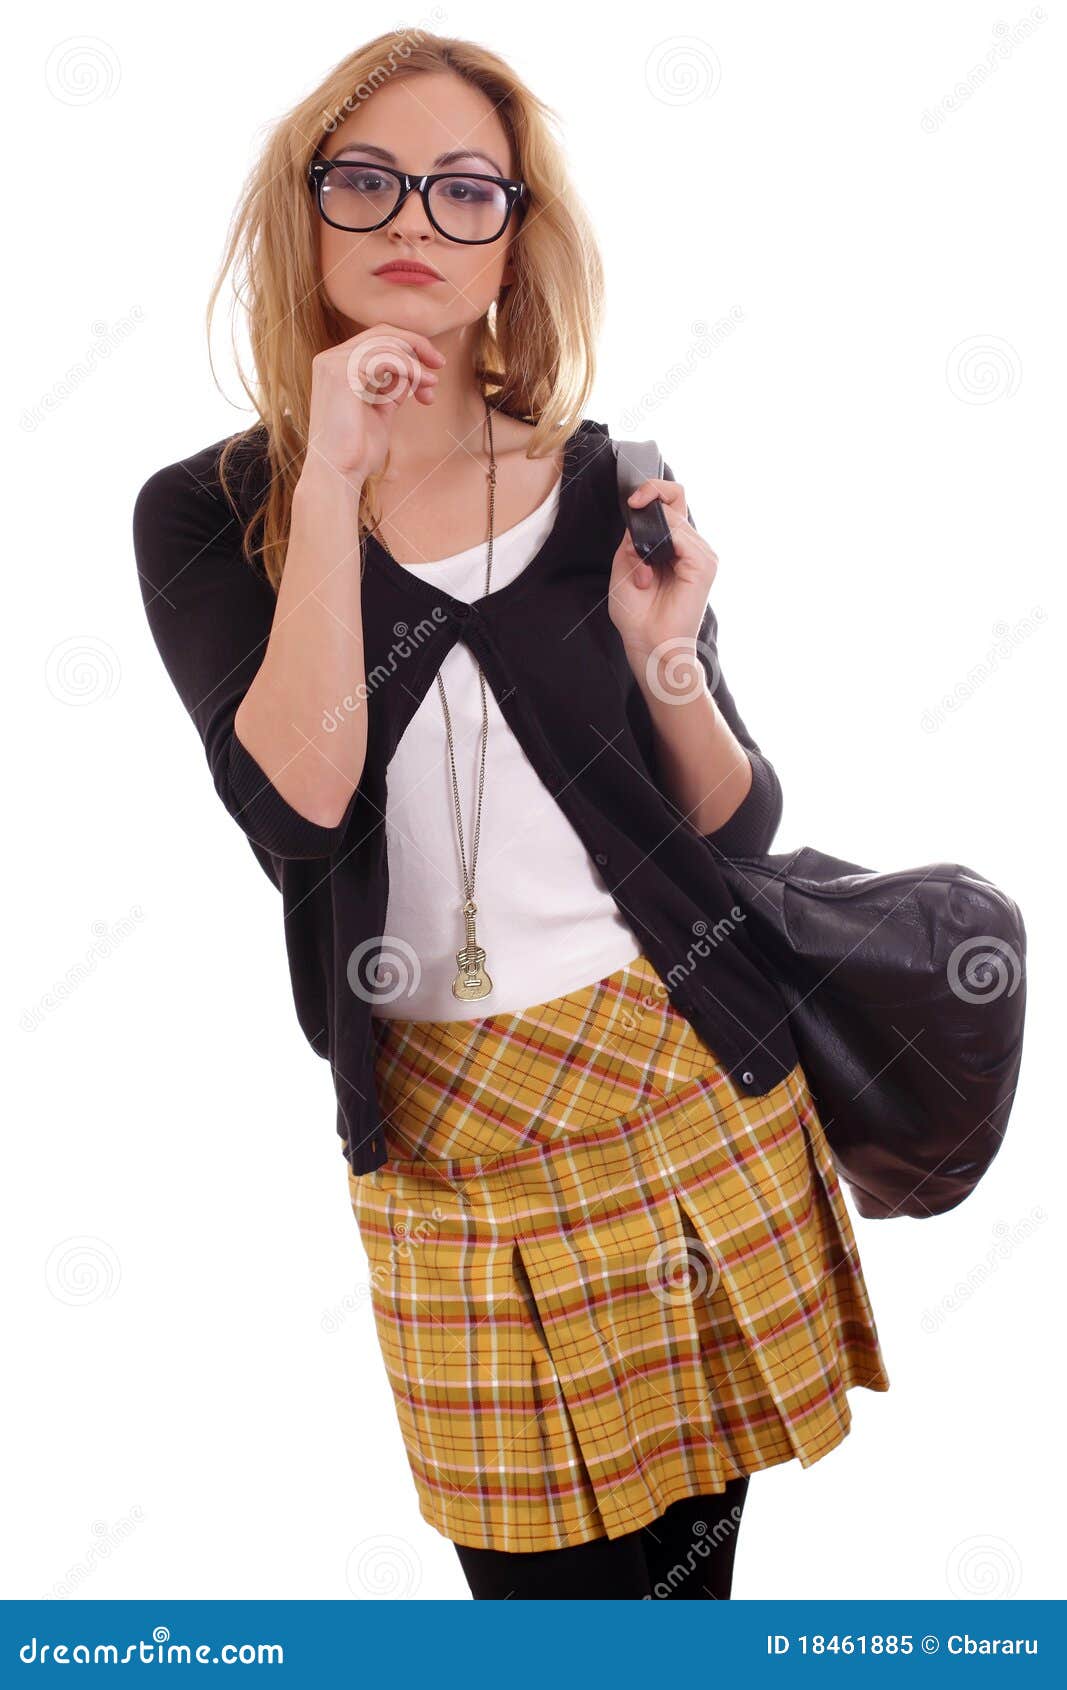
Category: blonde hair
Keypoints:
(534, 354)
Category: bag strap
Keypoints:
(636, 461)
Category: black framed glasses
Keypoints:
(461, 205)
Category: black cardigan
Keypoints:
(556, 665)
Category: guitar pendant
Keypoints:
(472, 981)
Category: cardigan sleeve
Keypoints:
(210, 614)
(753, 825)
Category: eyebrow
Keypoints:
(443, 158)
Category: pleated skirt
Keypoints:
(602, 1277)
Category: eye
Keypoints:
(464, 191)
(362, 178)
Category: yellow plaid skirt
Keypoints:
(602, 1277)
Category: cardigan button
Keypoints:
(601, 858)
(748, 1076)
(462, 611)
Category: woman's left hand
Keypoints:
(659, 605)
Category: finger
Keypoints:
(672, 493)
(425, 389)
(389, 371)
(405, 356)
(420, 344)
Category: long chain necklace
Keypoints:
(472, 981)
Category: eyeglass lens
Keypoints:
(358, 196)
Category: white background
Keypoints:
(875, 450)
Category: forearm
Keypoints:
(304, 717)
(705, 770)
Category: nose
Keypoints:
(411, 219)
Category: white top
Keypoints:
(545, 919)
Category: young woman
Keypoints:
(490, 759)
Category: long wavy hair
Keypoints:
(534, 351)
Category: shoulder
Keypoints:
(591, 453)
(186, 504)
(195, 482)
(514, 434)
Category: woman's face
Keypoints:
(422, 123)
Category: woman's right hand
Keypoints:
(357, 387)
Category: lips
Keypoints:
(403, 268)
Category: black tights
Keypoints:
(687, 1554)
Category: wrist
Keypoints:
(319, 480)
(669, 671)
